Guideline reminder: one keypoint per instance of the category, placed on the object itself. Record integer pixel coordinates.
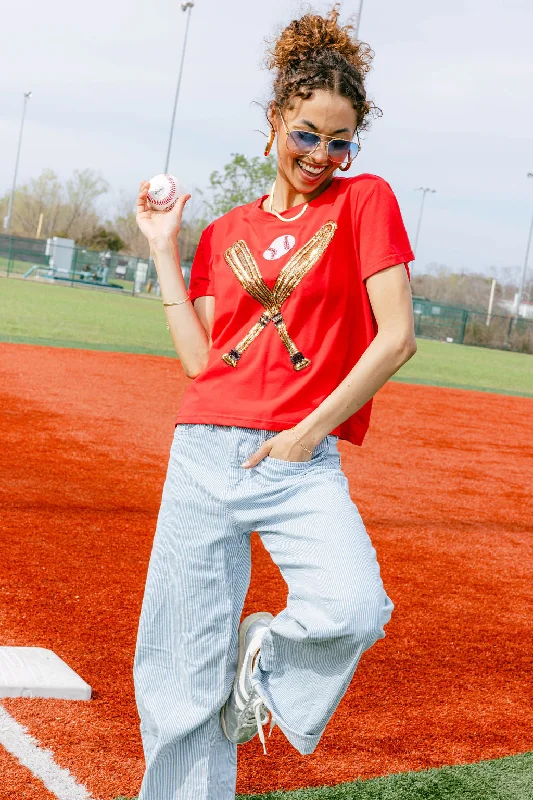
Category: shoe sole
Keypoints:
(243, 630)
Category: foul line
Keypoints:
(17, 741)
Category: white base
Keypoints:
(37, 672)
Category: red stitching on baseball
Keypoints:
(168, 196)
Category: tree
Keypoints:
(469, 290)
(40, 195)
(125, 225)
(192, 225)
(82, 189)
(241, 181)
(104, 239)
(68, 209)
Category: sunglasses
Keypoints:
(303, 143)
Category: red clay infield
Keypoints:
(443, 483)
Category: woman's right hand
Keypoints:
(164, 224)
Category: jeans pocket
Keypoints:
(283, 461)
(279, 467)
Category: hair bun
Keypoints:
(303, 38)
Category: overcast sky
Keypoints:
(454, 80)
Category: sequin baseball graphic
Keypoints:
(245, 269)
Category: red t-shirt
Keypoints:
(281, 346)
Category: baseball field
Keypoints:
(438, 710)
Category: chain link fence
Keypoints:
(60, 261)
(454, 324)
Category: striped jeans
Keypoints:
(198, 576)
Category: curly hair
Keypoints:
(315, 52)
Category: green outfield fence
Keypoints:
(451, 323)
(60, 261)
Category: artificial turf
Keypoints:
(455, 556)
(509, 778)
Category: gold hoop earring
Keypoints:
(347, 167)
(270, 142)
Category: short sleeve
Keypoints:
(381, 237)
(201, 282)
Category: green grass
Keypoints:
(38, 313)
(32, 312)
(509, 778)
(19, 267)
(465, 367)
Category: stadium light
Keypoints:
(425, 190)
(526, 259)
(186, 7)
(358, 19)
(7, 220)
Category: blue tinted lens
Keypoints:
(303, 141)
(339, 149)
(354, 149)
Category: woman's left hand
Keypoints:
(283, 446)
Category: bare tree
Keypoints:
(193, 223)
(40, 195)
(82, 189)
(455, 289)
(124, 223)
(68, 210)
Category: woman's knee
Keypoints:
(372, 618)
(361, 617)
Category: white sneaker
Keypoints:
(244, 712)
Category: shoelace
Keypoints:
(253, 712)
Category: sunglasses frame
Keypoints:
(322, 138)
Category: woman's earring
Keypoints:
(270, 142)
(346, 167)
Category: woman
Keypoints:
(298, 311)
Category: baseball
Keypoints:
(163, 192)
(279, 247)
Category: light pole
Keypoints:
(358, 19)
(186, 7)
(7, 220)
(524, 272)
(425, 190)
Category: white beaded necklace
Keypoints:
(273, 210)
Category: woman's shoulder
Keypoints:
(365, 184)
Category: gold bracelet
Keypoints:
(301, 445)
(178, 303)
